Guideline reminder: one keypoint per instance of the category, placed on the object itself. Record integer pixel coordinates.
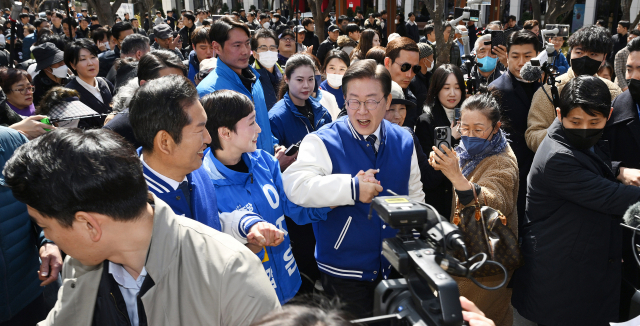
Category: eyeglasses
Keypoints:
(24, 91)
(406, 66)
(264, 48)
(370, 105)
(288, 39)
(472, 133)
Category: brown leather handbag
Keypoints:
(485, 229)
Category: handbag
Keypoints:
(484, 229)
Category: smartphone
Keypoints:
(442, 136)
(497, 39)
(456, 114)
(292, 150)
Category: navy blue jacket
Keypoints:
(203, 207)
(19, 240)
(270, 91)
(290, 126)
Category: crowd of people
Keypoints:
(191, 170)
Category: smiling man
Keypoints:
(328, 173)
(402, 59)
(130, 259)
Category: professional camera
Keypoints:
(427, 295)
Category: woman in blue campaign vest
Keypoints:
(248, 179)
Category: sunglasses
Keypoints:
(406, 66)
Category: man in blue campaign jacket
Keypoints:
(231, 40)
(328, 173)
(248, 180)
(290, 126)
(169, 122)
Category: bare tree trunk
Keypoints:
(554, 10)
(319, 16)
(635, 22)
(443, 53)
(626, 9)
(535, 5)
(105, 11)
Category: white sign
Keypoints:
(125, 8)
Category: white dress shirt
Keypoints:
(94, 90)
(173, 183)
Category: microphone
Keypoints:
(530, 73)
(632, 216)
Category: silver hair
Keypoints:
(483, 38)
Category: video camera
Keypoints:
(425, 265)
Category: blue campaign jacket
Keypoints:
(290, 126)
(261, 192)
(204, 207)
(561, 63)
(348, 244)
(194, 66)
(19, 240)
(224, 78)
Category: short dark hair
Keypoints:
(634, 32)
(428, 29)
(352, 28)
(264, 16)
(383, 12)
(512, 17)
(530, 24)
(399, 44)
(59, 15)
(38, 22)
(589, 93)
(119, 28)
(263, 33)
(72, 51)
(367, 69)
(70, 22)
(159, 105)
(624, 23)
(592, 39)
(600, 22)
(633, 46)
(342, 18)
(410, 14)
(134, 18)
(336, 54)
(220, 29)
(23, 15)
(307, 21)
(224, 108)
(523, 37)
(151, 63)
(134, 43)
(98, 34)
(10, 76)
(190, 17)
(69, 170)
(376, 53)
(200, 35)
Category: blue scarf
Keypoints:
(468, 163)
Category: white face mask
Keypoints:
(60, 72)
(107, 46)
(266, 25)
(431, 66)
(334, 80)
(273, 20)
(397, 22)
(268, 58)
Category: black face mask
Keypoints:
(634, 89)
(585, 66)
(583, 138)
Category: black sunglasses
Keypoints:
(406, 66)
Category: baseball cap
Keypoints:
(162, 31)
(333, 28)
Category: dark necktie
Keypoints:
(372, 140)
(184, 186)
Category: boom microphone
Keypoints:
(632, 215)
(530, 73)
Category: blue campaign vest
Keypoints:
(204, 206)
(261, 192)
(348, 245)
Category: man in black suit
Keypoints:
(517, 95)
(623, 128)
